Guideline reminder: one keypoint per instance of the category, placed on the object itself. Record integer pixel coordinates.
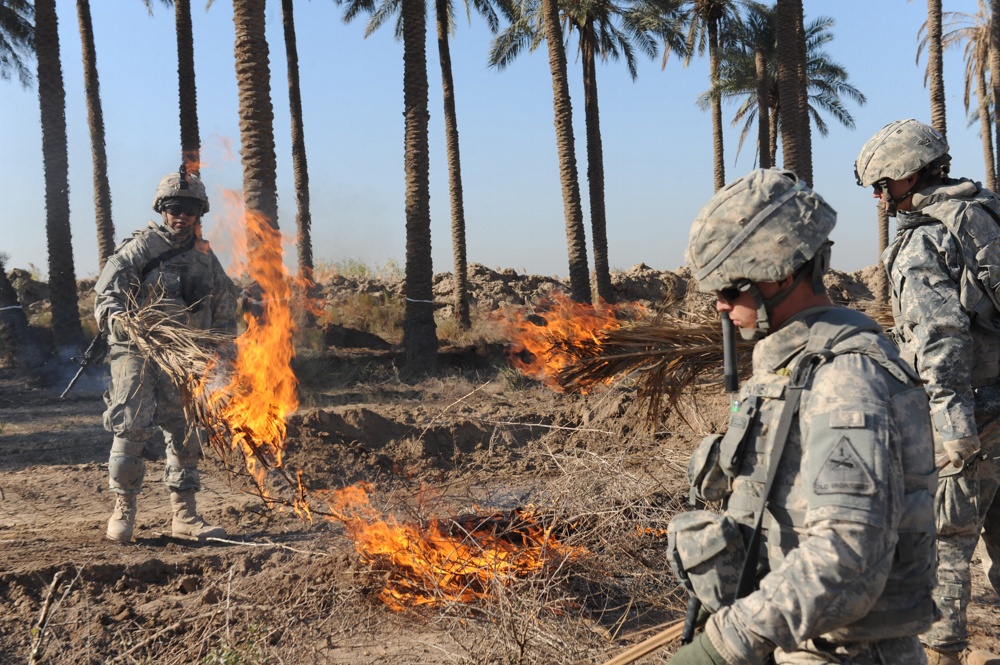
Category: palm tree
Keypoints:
(17, 41)
(935, 64)
(95, 119)
(796, 145)
(419, 328)
(741, 77)
(66, 327)
(713, 23)
(260, 190)
(187, 89)
(606, 29)
(445, 23)
(303, 218)
(974, 31)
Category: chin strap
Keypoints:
(814, 269)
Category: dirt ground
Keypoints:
(477, 439)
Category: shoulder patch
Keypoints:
(844, 472)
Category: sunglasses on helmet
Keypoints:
(191, 208)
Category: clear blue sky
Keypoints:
(657, 144)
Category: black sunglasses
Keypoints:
(192, 209)
(880, 185)
(731, 293)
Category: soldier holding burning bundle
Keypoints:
(825, 550)
(171, 265)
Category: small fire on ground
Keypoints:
(446, 561)
(559, 331)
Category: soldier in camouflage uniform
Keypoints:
(845, 562)
(172, 264)
(947, 330)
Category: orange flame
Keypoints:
(262, 390)
(445, 561)
(553, 336)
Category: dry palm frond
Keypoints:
(671, 353)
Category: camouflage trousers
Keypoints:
(140, 402)
(897, 651)
(965, 503)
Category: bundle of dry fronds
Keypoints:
(670, 353)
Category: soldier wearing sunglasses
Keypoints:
(170, 264)
(824, 549)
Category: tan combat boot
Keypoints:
(980, 657)
(122, 522)
(188, 524)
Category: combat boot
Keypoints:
(188, 524)
(980, 657)
(937, 657)
(122, 522)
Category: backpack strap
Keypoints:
(167, 255)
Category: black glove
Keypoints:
(701, 651)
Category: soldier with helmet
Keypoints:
(824, 552)
(947, 326)
(171, 264)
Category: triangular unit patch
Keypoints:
(844, 472)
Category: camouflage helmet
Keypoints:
(762, 227)
(180, 184)
(898, 150)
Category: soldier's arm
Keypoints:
(838, 568)
(931, 312)
(120, 277)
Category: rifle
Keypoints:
(94, 354)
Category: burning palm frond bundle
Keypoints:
(444, 561)
(669, 353)
(204, 367)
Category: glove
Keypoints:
(956, 451)
(701, 651)
(116, 328)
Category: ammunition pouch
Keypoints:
(707, 480)
(706, 552)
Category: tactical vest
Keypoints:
(905, 606)
(974, 223)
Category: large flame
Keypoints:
(445, 561)
(251, 409)
(554, 335)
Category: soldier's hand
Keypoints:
(701, 651)
(116, 328)
(956, 451)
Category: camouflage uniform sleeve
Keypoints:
(121, 275)
(926, 275)
(842, 474)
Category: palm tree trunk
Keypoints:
(95, 120)
(190, 140)
(986, 127)
(300, 167)
(595, 164)
(461, 275)
(419, 329)
(791, 147)
(579, 274)
(256, 119)
(802, 87)
(66, 327)
(763, 110)
(935, 67)
(774, 135)
(995, 72)
(718, 150)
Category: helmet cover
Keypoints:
(180, 184)
(762, 227)
(898, 150)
